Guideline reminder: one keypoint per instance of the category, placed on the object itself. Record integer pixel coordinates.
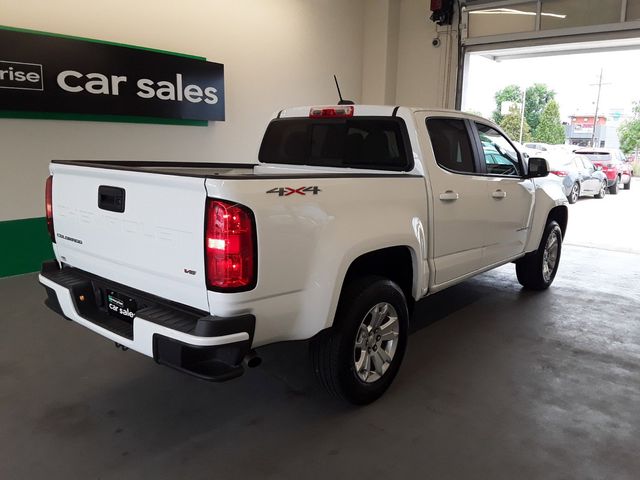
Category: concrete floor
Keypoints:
(497, 383)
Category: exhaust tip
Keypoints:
(252, 360)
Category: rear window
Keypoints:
(379, 143)
(559, 163)
(597, 156)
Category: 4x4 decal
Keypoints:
(286, 191)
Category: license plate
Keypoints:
(121, 306)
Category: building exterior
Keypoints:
(580, 131)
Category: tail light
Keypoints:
(48, 206)
(559, 173)
(230, 247)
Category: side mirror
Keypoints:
(538, 167)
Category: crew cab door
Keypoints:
(510, 196)
(458, 198)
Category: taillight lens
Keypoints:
(48, 206)
(559, 173)
(229, 246)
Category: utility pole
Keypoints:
(524, 101)
(595, 119)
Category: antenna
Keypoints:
(341, 102)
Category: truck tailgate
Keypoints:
(156, 244)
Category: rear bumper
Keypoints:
(208, 347)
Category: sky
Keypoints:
(570, 76)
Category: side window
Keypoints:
(451, 144)
(500, 156)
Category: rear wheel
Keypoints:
(537, 270)
(603, 190)
(574, 194)
(627, 186)
(359, 356)
(613, 189)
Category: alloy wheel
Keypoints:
(575, 193)
(376, 342)
(550, 257)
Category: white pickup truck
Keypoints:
(351, 215)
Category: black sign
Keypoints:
(49, 73)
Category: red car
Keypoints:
(613, 163)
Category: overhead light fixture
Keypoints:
(511, 11)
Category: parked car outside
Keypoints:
(540, 147)
(525, 151)
(579, 177)
(613, 164)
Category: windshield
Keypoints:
(360, 142)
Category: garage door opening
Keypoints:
(561, 100)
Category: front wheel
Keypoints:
(537, 270)
(603, 190)
(359, 356)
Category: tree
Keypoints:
(550, 129)
(511, 125)
(510, 93)
(538, 96)
(629, 132)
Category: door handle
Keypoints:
(499, 194)
(449, 196)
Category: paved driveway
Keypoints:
(612, 223)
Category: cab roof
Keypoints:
(378, 111)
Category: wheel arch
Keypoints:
(397, 263)
(561, 215)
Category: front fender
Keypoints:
(548, 195)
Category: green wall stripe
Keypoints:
(93, 40)
(100, 118)
(24, 245)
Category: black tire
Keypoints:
(530, 269)
(613, 189)
(627, 186)
(333, 351)
(603, 190)
(574, 194)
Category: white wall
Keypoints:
(276, 53)
(426, 74)
(380, 55)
